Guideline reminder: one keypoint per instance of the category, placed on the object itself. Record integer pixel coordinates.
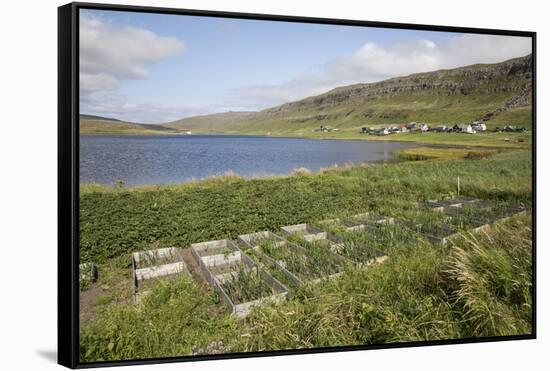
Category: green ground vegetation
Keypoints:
(480, 285)
(247, 285)
(384, 111)
(477, 285)
(116, 221)
(489, 139)
(113, 127)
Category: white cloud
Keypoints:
(111, 53)
(116, 105)
(373, 62)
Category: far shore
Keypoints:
(452, 140)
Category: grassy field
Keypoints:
(480, 285)
(497, 140)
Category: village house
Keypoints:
(463, 128)
(383, 131)
(514, 128)
(479, 126)
(395, 129)
(411, 126)
(440, 128)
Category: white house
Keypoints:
(479, 126)
(383, 131)
(464, 128)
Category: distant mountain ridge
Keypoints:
(498, 94)
(92, 124)
(494, 93)
(216, 121)
(95, 117)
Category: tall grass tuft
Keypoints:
(490, 274)
(301, 171)
(174, 319)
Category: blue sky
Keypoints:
(155, 68)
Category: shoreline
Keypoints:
(428, 139)
(400, 156)
(231, 175)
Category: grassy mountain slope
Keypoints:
(90, 126)
(499, 94)
(209, 123)
(95, 117)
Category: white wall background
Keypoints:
(28, 155)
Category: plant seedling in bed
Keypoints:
(246, 285)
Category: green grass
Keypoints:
(477, 286)
(489, 139)
(174, 318)
(375, 112)
(315, 262)
(246, 285)
(516, 116)
(114, 222)
(492, 280)
(110, 127)
(430, 153)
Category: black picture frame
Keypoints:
(68, 179)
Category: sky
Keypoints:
(156, 68)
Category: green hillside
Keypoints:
(217, 122)
(498, 94)
(106, 126)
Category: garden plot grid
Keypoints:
(240, 283)
(150, 264)
(440, 205)
(299, 265)
(360, 221)
(307, 231)
(462, 214)
(356, 252)
(477, 216)
(309, 254)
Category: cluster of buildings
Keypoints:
(474, 127)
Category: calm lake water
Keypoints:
(173, 159)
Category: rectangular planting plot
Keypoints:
(151, 264)
(441, 205)
(474, 218)
(306, 231)
(252, 240)
(354, 250)
(432, 225)
(218, 252)
(438, 233)
(298, 264)
(359, 221)
(240, 283)
(357, 250)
